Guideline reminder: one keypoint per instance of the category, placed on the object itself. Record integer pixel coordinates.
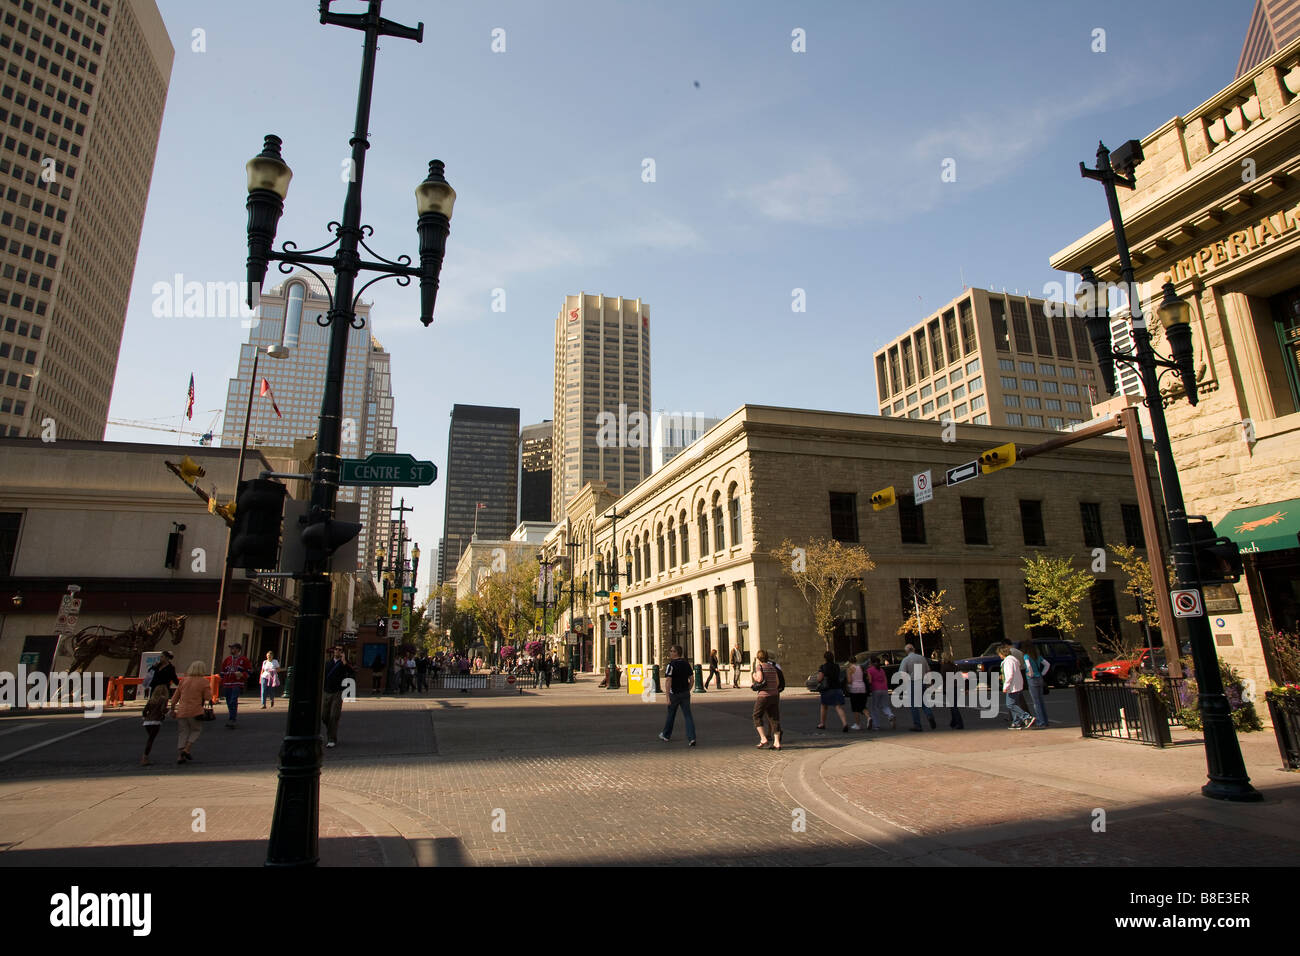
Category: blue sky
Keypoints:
(818, 170)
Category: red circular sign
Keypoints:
(1186, 602)
(510, 679)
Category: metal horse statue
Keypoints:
(125, 643)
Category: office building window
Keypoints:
(1006, 365)
(973, 525)
(927, 408)
(1015, 418)
(941, 400)
(1032, 401)
(956, 375)
(958, 391)
(967, 326)
(926, 391)
(1011, 401)
(959, 411)
(1067, 371)
(911, 398)
(941, 382)
(911, 520)
(733, 505)
(1057, 423)
(672, 544)
(1009, 381)
(1046, 369)
(972, 366)
(977, 403)
(1034, 421)
(1090, 515)
(984, 612)
(844, 516)
(1051, 387)
(1133, 534)
(1052, 404)
(1027, 368)
(1000, 338)
(1105, 612)
(981, 419)
(976, 383)
(686, 538)
(950, 335)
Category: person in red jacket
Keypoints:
(234, 674)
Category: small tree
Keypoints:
(929, 614)
(820, 570)
(1055, 590)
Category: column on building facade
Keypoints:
(728, 596)
(753, 636)
(696, 650)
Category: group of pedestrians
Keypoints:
(868, 694)
(766, 679)
(715, 669)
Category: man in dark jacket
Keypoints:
(336, 672)
(679, 676)
(163, 671)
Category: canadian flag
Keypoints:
(266, 390)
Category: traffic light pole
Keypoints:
(294, 839)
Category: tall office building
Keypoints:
(83, 86)
(481, 480)
(291, 409)
(1273, 24)
(992, 358)
(602, 395)
(535, 451)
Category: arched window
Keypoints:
(638, 558)
(672, 544)
(645, 546)
(733, 505)
(293, 313)
(659, 541)
(686, 538)
(703, 522)
(719, 530)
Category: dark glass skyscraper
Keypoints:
(482, 479)
(535, 472)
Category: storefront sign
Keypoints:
(1235, 245)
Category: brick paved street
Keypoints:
(575, 774)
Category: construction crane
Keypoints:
(203, 438)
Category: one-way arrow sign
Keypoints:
(964, 472)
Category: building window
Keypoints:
(1015, 418)
(1051, 387)
(703, 522)
(672, 544)
(972, 521)
(1006, 365)
(941, 382)
(10, 522)
(911, 520)
(1034, 421)
(981, 419)
(1133, 534)
(1027, 368)
(1031, 523)
(927, 408)
(844, 516)
(1044, 369)
(958, 391)
(1011, 401)
(984, 612)
(719, 531)
(1033, 402)
(686, 538)
(1090, 514)
(645, 554)
(637, 562)
(977, 403)
(911, 398)
(1067, 371)
(1052, 404)
(959, 411)
(733, 504)
(1008, 381)
(1000, 337)
(926, 391)
(967, 326)
(972, 366)
(956, 375)
(1057, 423)
(941, 400)
(1105, 613)
(659, 548)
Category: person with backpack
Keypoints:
(768, 681)
(680, 674)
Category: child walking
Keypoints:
(154, 712)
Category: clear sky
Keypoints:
(774, 170)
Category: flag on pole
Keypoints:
(266, 390)
(189, 404)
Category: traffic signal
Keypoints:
(1218, 560)
(325, 537)
(394, 601)
(191, 471)
(255, 537)
(381, 628)
(1004, 456)
(882, 499)
(615, 603)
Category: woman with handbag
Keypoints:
(270, 679)
(191, 703)
(767, 683)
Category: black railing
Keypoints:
(1177, 697)
(1284, 710)
(1123, 712)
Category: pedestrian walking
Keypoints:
(948, 666)
(422, 670)
(336, 672)
(162, 672)
(377, 674)
(832, 692)
(410, 672)
(856, 681)
(187, 703)
(1036, 668)
(736, 661)
(1013, 685)
(713, 670)
(768, 681)
(545, 674)
(679, 675)
(154, 712)
(914, 667)
(878, 685)
(234, 675)
(270, 679)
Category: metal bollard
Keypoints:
(654, 670)
(288, 683)
(699, 679)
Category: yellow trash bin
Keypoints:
(637, 676)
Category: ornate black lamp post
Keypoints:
(1227, 771)
(294, 825)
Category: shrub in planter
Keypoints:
(1244, 716)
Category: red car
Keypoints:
(1148, 661)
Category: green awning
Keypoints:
(1264, 527)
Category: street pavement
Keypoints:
(575, 774)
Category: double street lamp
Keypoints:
(1227, 771)
(294, 837)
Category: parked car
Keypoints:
(1148, 661)
(889, 659)
(1069, 661)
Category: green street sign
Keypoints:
(408, 590)
(393, 470)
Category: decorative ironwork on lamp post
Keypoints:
(1227, 770)
(294, 826)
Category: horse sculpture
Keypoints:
(125, 643)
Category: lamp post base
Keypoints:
(1234, 790)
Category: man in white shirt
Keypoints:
(1013, 685)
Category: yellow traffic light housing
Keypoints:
(190, 470)
(394, 601)
(615, 603)
(883, 498)
(1004, 456)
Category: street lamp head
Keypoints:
(18, 599)
(1175, 316)
(277, 351)
(434, 199)
(1096, 316)
(268, 184)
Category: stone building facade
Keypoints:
(1216, 211)
(697, 536)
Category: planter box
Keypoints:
(1284, 710)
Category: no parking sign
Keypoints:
(1187, 603)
